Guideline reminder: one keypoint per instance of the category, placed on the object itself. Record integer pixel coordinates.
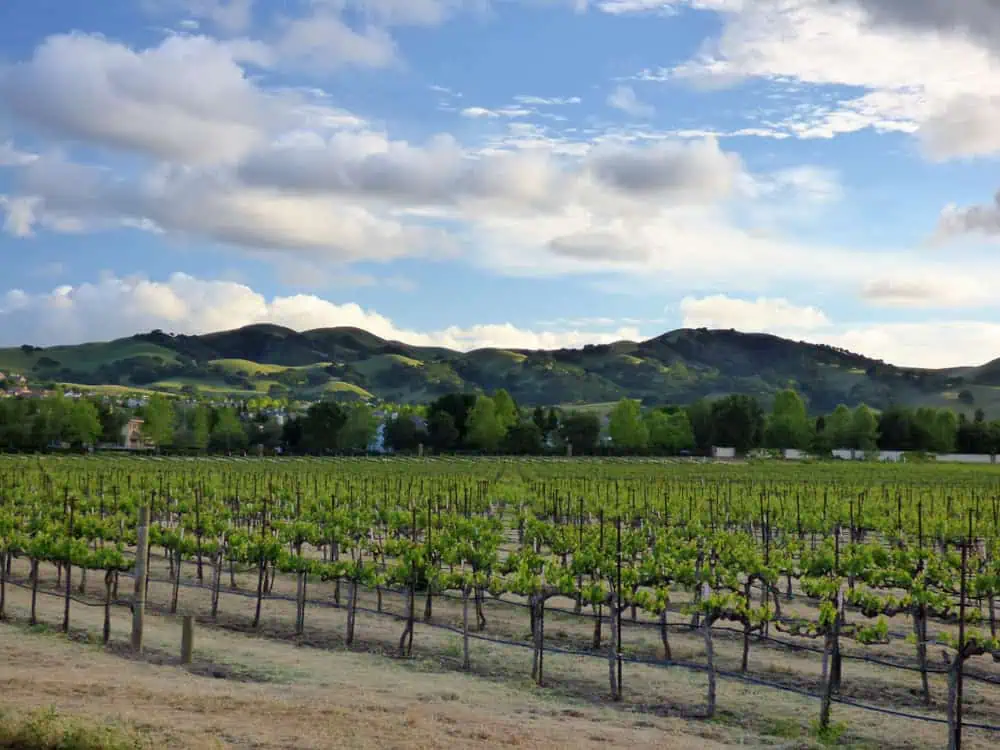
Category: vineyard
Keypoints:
(857, 587)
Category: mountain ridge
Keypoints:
(677, 366)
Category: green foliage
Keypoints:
(159, 421)
(737, 421)
(580, 430)
(358, 429)
(228, 432)
(828, 736)
(46, 730)
(789, 425)
(670, 431)
(628, 431)
(485, 428)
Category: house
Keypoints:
(132, 437)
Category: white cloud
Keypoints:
(323, 41)
(621, 7)
(935, 81)
(760, 315)
(117, 307)
(546, 101)
(916, 290)
(931, 343)
(624, 98)
(191, 204)
(19, 215)
(978, 19)
(982, 219)
(230, 16)
(187, 99)
(475, 113)
(442, 173)
(10, 156)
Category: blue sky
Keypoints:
(514, 173)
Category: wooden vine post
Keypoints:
(139, 599)
(187, 640)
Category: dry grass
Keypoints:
(263, 690)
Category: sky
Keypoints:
(509, 173)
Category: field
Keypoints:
(556, 603)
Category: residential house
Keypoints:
(132, 437)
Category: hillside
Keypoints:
(677, 367)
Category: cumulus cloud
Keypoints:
(323, 41)
(624, 98)
(913, 290)
(444, 173)
(116, 307)
(759, 315)
(982, 219)
(198, 205)
(930, 343)
(188, 99)
(10, 156)
(916, 77)
(979, 19)
(231, 16)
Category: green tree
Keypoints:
(524, 439)
(738, 422)
(670, 431)
(945, 431)
(506, 409)
(359, 428)
(113, 420)
(83, 423)
(485, 430)
(581, 431)
(864, 429)
(159, 421)
(402, 433)
(442, 432)
(626, 427)
(838, 427)
(321, 425)
(700, 418)
(200, 427)
(228, 432)
(788, 425)
(458, 406)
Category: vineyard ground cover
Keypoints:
(650, 692)
(312, 698)
(708, 531)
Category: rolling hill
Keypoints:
(677, 367)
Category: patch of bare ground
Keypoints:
(267, 688)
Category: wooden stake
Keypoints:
(139, 599)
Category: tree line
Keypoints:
(458, 422)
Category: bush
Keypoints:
(46, 730)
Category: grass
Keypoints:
(45, 729)
(245, 365)
(382, 362)
(86, 357)
(258, 369)
(338, 387)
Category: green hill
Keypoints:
(677, 367)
